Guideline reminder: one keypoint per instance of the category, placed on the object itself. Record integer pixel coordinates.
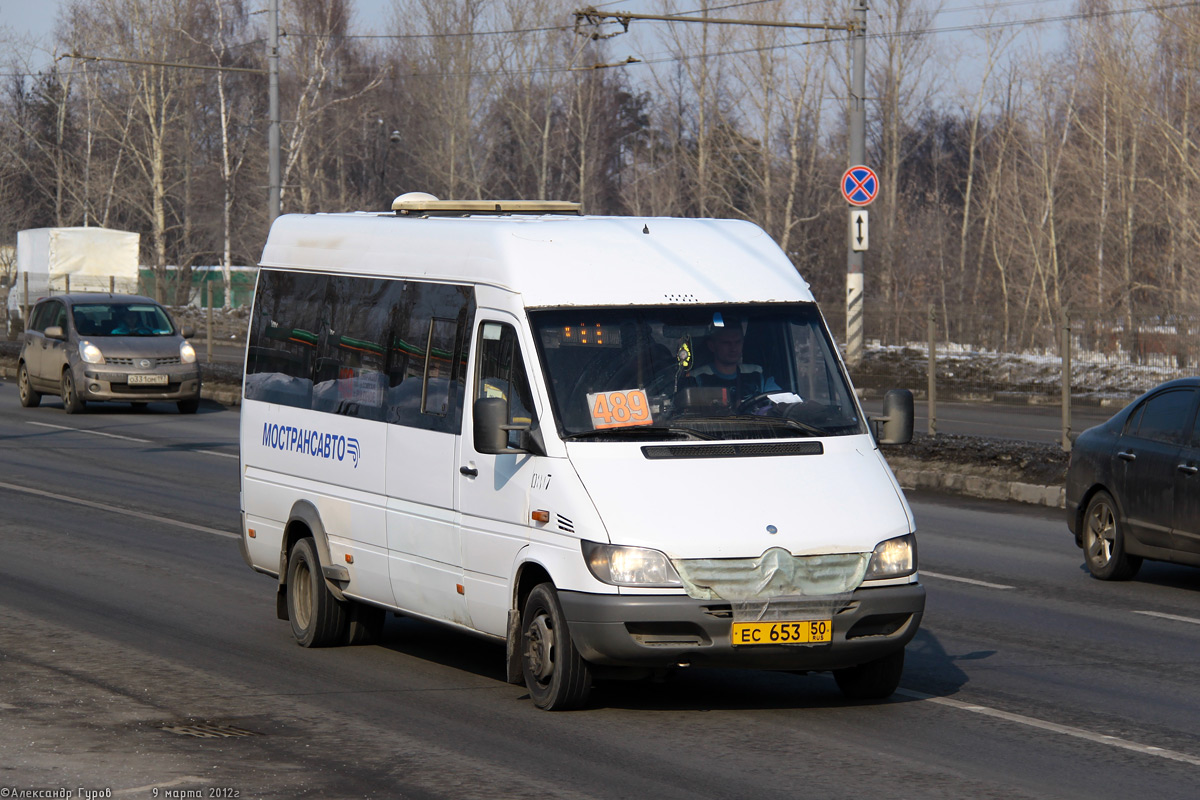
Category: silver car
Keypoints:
(90, 347)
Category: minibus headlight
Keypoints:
(893, 558)
(90, 353)
(187, 353)
(630, 566)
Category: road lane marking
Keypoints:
(126, 438)
(85, 430)
(1054, 727)
(956, 579)
(117, 510)
(1174, 617)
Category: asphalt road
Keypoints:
(129, 623)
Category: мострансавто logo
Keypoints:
(309, 442)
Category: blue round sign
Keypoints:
(860, 185)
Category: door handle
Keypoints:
(1188, 469)
(470, 472)
(1128, 455)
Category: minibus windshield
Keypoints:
(694, 372)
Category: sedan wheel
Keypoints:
(72, 402)
(1104, 541)
(29, 398)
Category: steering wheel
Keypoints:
(750, 402)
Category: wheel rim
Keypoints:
(23, 383)
(302, 592)
(539, 648)
(68, 395)
(1102, 533)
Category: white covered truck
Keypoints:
(57, 260)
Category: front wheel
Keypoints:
(72, 402)
(1104, 541)
(557, 676)
(318, 618)
(29, 397)
(874, 680)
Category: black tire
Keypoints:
(556, 675)
(874, 680)
(188, 406)
(29, 397)
(72, 402)
(1104, 541)
(318, 618)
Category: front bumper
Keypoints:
(99, 383)
(665, 631)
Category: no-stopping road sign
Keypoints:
(860, 185)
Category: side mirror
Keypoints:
(895, 426)
(490, 430)
(56, 332)
(187, 332)
(489, 421)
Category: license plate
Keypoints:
(807, 632)
(148, 380)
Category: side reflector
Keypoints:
(349, 558)
(540, 516)
(461, 590)
(252, 533)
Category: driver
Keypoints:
(126, 321)
(726, 370)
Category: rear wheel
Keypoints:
(1104, 541)
(71, 400)
(557, 676)
(29, 398)
(318, 618)
(874, 680)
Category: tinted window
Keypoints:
(362, 347)
(39, 320)
(1163, 416)
(284, 334)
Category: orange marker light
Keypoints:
(540, 516)
(252, 533)
(461, 590)
(349, 558)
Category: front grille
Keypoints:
(776, 573)
(119, 361)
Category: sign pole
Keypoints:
(858, 120)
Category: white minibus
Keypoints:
(620, 445)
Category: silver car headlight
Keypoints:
(630, 566)
(90, 353)
(187, 353)
(893, 558)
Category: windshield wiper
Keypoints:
(639, 430)
(787, 421)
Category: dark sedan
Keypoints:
(1133, 491)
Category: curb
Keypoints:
(985, 488)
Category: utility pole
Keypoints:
(273, 188)
(858, 155)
